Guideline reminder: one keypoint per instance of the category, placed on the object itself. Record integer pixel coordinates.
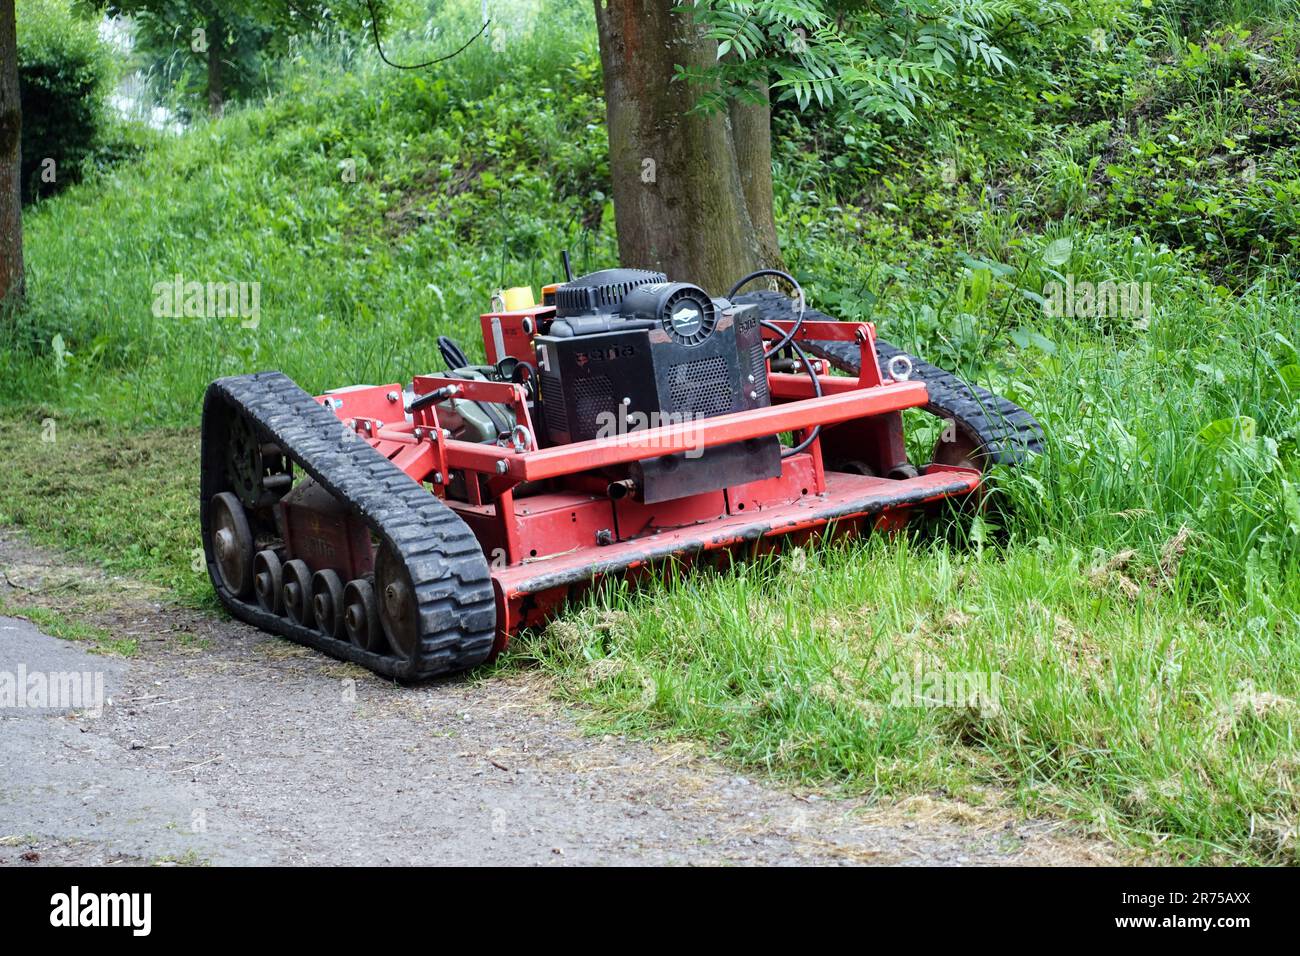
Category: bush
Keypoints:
(64, 75)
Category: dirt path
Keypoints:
(223, 744)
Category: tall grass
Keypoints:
(1191, 16)
(1191, 425)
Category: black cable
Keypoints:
(817, 390)
(777, 273)
(452, 353)
(802, 304)
(787, 339)
(374, 28)
(528, 379)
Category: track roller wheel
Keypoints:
(297, 593)
(398, 607)
(232, 544)
(268, 581)
(257, 470)
(327, 602)
(361, 616)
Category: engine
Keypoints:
(629, 350)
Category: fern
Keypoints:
(884, 58)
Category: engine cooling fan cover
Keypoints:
(685, 311)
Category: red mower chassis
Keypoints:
(565, 531)
(415, 529)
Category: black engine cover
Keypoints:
(586, 379)
(609, 383)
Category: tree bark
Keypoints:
(11, 122)
(679, 200)
(216, 87)
(751, 128)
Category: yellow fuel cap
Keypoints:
(520, 297)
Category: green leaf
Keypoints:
(981, 283)
(1058, 251)
(997, 268)
(1290, 376)
(1024, 337)
(1240, 430)
(1291, 506)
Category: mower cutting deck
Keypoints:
(624, 422)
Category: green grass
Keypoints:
(128, 501)
(1135, 595)
(464, 183)
(58, 624)
(1115, 703)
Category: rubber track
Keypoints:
(1005, 431)
(451, 579)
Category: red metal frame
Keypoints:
(546, 524)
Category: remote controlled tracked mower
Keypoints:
(625, 421)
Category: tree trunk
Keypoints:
(751, 128)
(679, 199)
(11, 122)
(216, 88)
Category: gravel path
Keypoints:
(218, 743)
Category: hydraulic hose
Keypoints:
(816, 384)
